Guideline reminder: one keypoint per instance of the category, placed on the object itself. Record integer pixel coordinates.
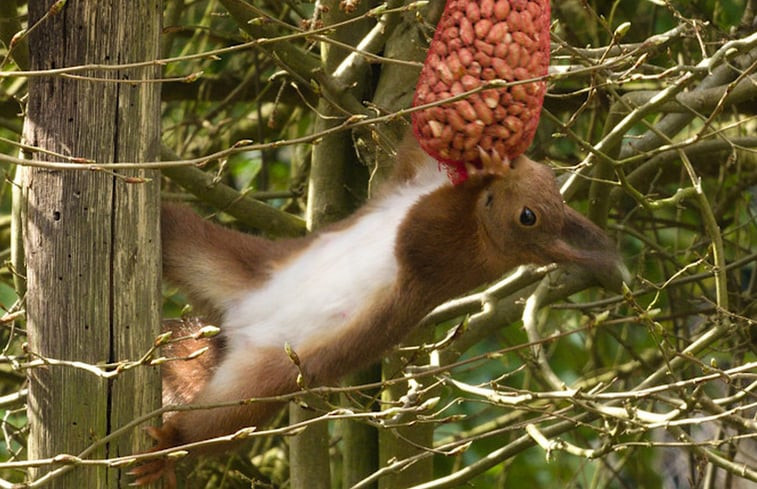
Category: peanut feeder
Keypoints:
(477, 42)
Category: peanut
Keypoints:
(496, 34)
(472, 11)
(438, 114)
(488, 74)
(456, 88)
(500, 112)
(475, 129)
(484, 47)
(503, 69)
(455, 120)
(534, 9)
(514, 21)
(513, 124)
(519, 93)
(483, 112)
(524, 40)
(483, 59)
(515, 108)
(445, 73)
(482, 28)
(466, 110)
(469, 82)
(513, 55)
(467, 34)
(487, 8)
(491, 98)
(501, 9)
(466, 56)
(436, 128)
(455, 65)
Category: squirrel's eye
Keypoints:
(527, 217)
(489, 199)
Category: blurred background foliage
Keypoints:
(683, 317)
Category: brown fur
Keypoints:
(251, 378)
(176, 388)
(452, 240)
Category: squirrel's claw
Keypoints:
(492, 163)
(489, 164)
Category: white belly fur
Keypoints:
(326, 285)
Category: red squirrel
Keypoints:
(344, 295)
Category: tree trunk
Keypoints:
(360, 441)
(91, 239)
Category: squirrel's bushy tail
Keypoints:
(210, 263)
